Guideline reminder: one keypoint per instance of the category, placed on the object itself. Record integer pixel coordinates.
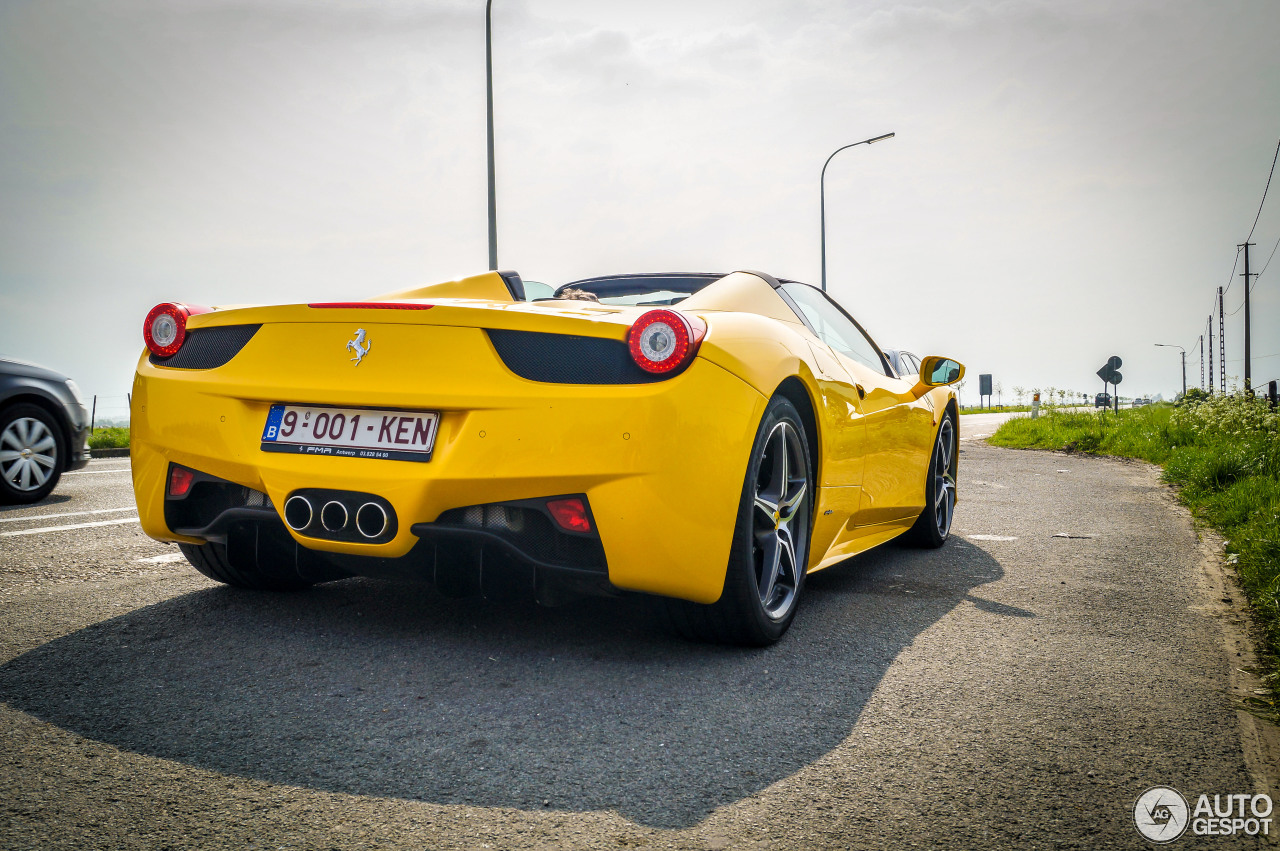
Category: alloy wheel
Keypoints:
(28, 454)
(944, 478)
(778, 518)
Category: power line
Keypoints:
(1255, 357)
(1265, 265)
(1232, 279)
(1264, 191)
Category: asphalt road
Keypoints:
(1013, 689)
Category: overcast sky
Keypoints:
(1069, 179)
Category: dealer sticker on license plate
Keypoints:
(351, 432)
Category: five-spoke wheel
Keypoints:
(780, 490)
(934, 524)
(944, 479)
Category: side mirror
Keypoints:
(937, 371)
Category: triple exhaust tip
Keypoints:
(371, 518)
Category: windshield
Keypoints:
(656, 289)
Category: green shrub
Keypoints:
(109, 438)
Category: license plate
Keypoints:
(351, 432)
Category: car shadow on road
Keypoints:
(373, 688)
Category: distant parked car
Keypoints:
(1102, 400)
(1138, 403)
(903, 362)
(44, 430)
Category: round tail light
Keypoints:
(662, 341)
(165, 327)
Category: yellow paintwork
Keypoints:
(662, 464)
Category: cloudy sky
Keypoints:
(1068, 180)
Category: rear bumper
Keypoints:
(662, 464)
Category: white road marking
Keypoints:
(97, 472)
(44, 529)
(164, 559)
(990, 538)
(31, 517)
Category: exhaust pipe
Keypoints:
(334, 517)
(298, 513)
(372, 520)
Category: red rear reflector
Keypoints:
(571, 514)
(180, 479)
(372, 305)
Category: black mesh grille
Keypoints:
(209, 498)
(530, 531)
(568, 359)
(209, 348)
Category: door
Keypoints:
(896, 426)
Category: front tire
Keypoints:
(767, 562)
(933, 526)
(32, 453)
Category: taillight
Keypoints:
(165, 327)
(570, 514)
(662, 341)
(180, 480)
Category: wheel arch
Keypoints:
(952, 408)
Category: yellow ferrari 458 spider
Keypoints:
(704, 439)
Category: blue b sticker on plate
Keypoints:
(272, 430)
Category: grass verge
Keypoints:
(109, 438)
(1223, 454)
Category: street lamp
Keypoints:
(488, 79)
(822, 191)
(1184, 363)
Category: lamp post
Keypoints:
(822, 192)
(1184, 363)
(488, 79)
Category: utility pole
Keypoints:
(1222, 346)
(1211, 380)
(1200, 343)
(488, 81)
(1248, 383)
(1184, 363)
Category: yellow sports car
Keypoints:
(705, 439)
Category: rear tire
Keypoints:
(212, 559)
(766, 570)
(933, 526)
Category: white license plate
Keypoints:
(351, 432)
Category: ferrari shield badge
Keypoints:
(359, 345)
